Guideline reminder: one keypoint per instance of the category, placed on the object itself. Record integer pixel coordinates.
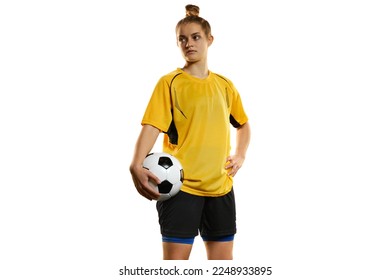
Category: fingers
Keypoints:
(233, 164)
(147, 191)
(233, 167)
(233, 170)
(144, 182)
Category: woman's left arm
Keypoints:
(234, 162)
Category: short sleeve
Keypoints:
(158, 112)
(238, 116)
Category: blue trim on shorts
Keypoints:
(224, 238)
(178, 240)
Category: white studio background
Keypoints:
(75, 77)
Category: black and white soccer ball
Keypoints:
(170, 172)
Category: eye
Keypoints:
(196, 37)
(182, 40)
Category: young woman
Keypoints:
(195, 109)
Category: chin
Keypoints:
(191, 60)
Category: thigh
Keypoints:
(219, 216)
(180, 216)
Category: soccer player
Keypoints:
(195, 109)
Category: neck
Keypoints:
(197, 70)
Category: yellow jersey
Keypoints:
(195, 115)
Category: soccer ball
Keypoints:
(170, 172)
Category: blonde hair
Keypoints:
(192, 16)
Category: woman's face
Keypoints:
(193, 42)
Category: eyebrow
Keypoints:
(195, 33)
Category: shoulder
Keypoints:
(222, 79)
(164, 84)
(169, 77)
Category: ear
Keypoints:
(210, 40)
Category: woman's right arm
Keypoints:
(140, 175)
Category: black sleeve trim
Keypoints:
(172, 130)
(233, 122)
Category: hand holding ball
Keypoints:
(170, 172)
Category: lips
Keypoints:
(190, 52)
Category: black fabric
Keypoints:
(185, 215)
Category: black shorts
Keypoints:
(185, 215)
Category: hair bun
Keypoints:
(192, 10)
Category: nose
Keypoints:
(188, 43)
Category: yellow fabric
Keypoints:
(200, 110)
